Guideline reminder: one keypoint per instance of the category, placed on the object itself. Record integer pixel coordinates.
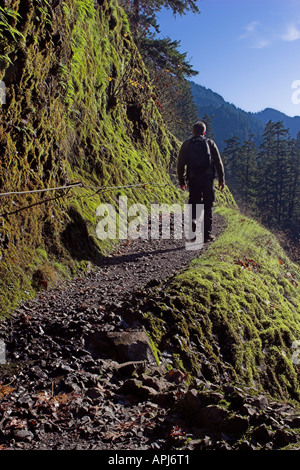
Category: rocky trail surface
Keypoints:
(81, 376)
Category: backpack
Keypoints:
(199, 156)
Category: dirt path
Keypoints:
(77, 377)
(55, 392)
(141, 262)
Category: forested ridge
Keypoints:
(265, 179)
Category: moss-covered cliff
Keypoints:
(233, 316)
(78, 108)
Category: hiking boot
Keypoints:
(209, 238)
(193, 236)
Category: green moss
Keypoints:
(78, 109)
(237, 306)
(72, 113)
(42, 253)
(154, 350)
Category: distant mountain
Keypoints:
(229, 121)
(269, 114)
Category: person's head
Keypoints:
(199, 128)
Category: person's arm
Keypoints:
(181, 162)
(218, 164)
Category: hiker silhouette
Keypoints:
(199, 162)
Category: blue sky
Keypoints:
(248, 51)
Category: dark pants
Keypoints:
(202, 191)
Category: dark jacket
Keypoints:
(217, 166)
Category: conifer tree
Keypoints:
(281, 161)
(163, 52)
(247, 173)
(209, 127)
(265, 163)
(266, 181)
(274, 184)
(292, 219)
(296, 193)
(231, 155)
(142, 12)
(168, 67)
(241, 171)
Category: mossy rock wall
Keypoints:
(78, 108)
(232, 316)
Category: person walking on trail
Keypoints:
(201, 159)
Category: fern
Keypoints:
(44, 9)
(7, 14)
(6, 58)
(85, 8)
